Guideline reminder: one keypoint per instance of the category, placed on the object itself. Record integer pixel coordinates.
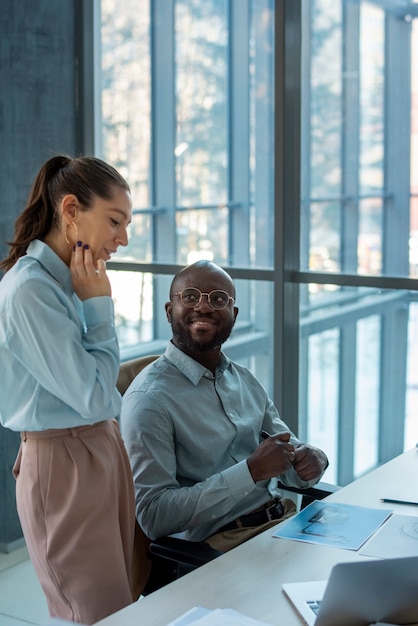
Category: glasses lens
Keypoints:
(218, 299)
(190, 297)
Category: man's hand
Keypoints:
(272, 457)
(309, 462)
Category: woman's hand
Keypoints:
(88, 281)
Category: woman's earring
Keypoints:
(67, 241)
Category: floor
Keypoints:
(22, 601)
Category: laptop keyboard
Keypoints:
(314, 605)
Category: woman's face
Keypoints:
(104, 226)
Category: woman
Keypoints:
(60, 360)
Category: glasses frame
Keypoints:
(192, 306)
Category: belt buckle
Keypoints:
(274, 507)
(268, 512)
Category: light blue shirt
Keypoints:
(59, 356)
(188, 434)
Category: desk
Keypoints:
(249, 577)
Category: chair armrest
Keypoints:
(191, 553)
(320, 491)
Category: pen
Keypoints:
(265, 435)
(393, 501)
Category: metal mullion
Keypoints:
(305, 213)
(396, 213)
(393, 371)
(263, 132)
(88, 78)
(287, 195)
(163, 192)
(350, 155)
(306, 56)
(346, 402)
(394, 324)
(163, 125)
(355, 280)
(260, 205)
(239, 129)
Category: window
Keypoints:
(357, 337)
(187, 92)
(227, 116)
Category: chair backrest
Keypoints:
(129, 369)
(141, 563)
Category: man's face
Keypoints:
(201, 328)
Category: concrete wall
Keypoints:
(37, 120)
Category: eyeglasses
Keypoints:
(217, 299)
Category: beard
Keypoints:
(182, 336)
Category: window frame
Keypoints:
(291, 189)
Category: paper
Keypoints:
(398, 537)
(190, 617)
(199, 616)
(333, 524)
(56, 621)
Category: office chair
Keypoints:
(158, 562)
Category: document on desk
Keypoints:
(200, 616)
(398, 537)
(333, 524)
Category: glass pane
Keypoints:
(126, 106)
(325, 98)
(201, 57)
(324, 238)
(322, 104)
(367, 394)
(370, 253)
(202, 235)
(251, 342)
(358, 394)
(322, 395)
(132, 294)
(411, 421)
(261, 140)
(372, 84)
(359, 128)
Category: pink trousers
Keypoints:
(75, 500)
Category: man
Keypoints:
(205, 441)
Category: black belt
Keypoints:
(271, 511)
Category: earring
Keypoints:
(67, 241)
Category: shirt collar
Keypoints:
(193, 370)
(55, 266)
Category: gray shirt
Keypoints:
(188, 434)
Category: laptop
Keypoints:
(360, 593)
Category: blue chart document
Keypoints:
(333, 524)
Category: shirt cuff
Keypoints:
(99, 309)
(239, 479)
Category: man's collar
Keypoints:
(191, 368)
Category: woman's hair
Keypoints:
(85, 177)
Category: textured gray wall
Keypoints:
(37, 120)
